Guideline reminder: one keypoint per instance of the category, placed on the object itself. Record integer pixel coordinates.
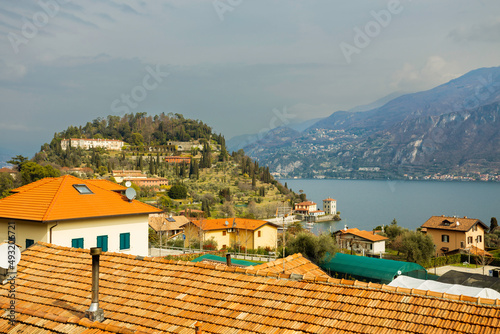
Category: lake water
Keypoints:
(366, 204)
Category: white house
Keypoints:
(360, 241)
(330, 206)
(72, 212)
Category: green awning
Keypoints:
(373, 269)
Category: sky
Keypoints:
(241, 66)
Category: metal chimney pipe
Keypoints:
(228, 259)
(95, 313)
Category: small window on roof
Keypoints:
(82, 189)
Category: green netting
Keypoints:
(211, 257)
(373, 269)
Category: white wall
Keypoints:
(378, 247)
(90, 229)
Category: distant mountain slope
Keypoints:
(452, 128)
(476, 88)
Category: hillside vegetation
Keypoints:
(219, 183)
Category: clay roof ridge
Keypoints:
(56, 195)
(297, 277)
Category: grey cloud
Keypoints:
(487, 32)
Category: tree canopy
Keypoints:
(177, 191)
(315, 248)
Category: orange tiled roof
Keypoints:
(294, 264)
(108, 185)
(329, 199)
(450, 223)
(155, 222)
(478, 251)
(52, 199)
(364, 234)
(220, 224)
(53, 291)
(305, 203)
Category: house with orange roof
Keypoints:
(451, 234)
(308, 208)
(154, 182)
(11, 171)
(139, 295)
(230, 232)
(72, 212)
(366, 242)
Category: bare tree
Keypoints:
(483, 260)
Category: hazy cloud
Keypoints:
(434, 72)
(264, 56)
(481, 32)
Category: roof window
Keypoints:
(82, 189)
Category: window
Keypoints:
(29, 242)
(258, 234)
(223, 232)
(124, 241)
(469, 240)
(82, 189)
(479, 239)
(445, 238)
(77, 243)
(102, 241)
(462, 245)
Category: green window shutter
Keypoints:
(102, 241)
(124, 240)
(77, 243)
(29, 242)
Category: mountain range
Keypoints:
(450, 129)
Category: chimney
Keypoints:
(197, 328)
(228, 259)
(94, 313)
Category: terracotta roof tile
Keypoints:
(54, 199)
(54, 283)
(239, 223)
(450, 223)
(363, 234)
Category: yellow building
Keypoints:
(452, 233)
(249, 233)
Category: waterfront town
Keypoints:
(131, 251)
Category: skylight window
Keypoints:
(82, 189)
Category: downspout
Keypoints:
(50, 232)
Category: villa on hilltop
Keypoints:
(86, 144)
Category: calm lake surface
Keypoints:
(367, 204)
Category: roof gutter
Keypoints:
(50, 232)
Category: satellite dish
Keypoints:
(458, 223)
(128, 184)
(6, 250)
(226, 223)
(130, 193)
